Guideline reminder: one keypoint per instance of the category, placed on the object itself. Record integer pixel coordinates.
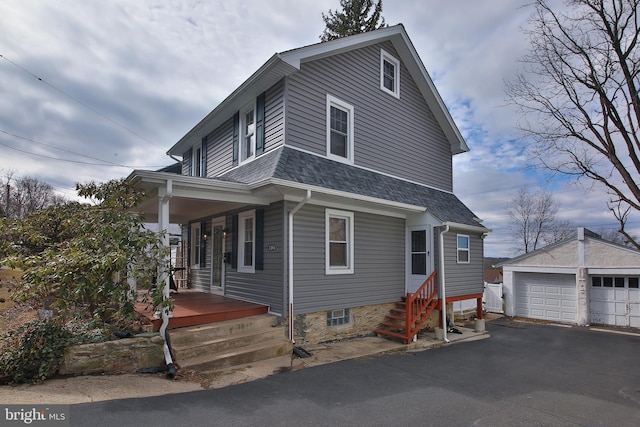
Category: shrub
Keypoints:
(32, 352)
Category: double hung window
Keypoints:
(339, 242)
(463, 249)
(389, 74)
(248, 137)
(246, 243)
(339, 130)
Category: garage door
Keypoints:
(615, 301)
(546, 296)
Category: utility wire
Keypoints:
(79, 101)
(102, 162)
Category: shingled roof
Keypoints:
(289, 164)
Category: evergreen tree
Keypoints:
(356, 17)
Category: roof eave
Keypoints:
(266, 76)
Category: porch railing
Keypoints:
(419, 305)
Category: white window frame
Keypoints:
(332, 101)
(196, 162)
(243, 158)
(467, 249)
(386, 56)
(348, 269)
(242, 229)
(196, 244)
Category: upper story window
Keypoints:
(339, 130)
(339, 242)
(246, 242)
(196, 162)
(248, 133)
(463, 249)
(389, 74)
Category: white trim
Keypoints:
(242, 217)
(459, 249)
(386, 56)
(349, 216)
(332, 101)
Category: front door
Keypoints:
(217, 257)
(419, 257)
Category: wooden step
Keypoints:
(391, 334)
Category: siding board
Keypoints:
(463, 279)
(379, 263)
(399, 137)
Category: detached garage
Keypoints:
(581, 280)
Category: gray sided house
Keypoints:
(322, 188)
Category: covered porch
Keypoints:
(193, 308)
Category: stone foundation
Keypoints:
(125, 355)
(311, 328)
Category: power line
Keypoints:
(102, 162)
(40, 79)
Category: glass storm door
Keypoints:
(419, 257)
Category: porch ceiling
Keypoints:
(191, 197)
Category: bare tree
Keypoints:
(534, 222)
(25, 195)
(578, 93)
(356, 17)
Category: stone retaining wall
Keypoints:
(125, 355)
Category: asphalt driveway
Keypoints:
(523, 375)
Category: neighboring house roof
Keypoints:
(493, 275)
(289, 166)
(174, 168)
(286, 63)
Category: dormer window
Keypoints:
(339, 130)
(389, 74)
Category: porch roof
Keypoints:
(287, 173)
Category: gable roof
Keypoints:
(574, 236)
(291, 167)
(286, 63)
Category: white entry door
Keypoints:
(419, 260)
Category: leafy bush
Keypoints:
(32, 352)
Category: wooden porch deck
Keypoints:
(197, 308)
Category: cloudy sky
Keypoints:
(91, 89)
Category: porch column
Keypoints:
(163, 274)
(479, 308)
(163, 227)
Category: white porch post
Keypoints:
(163, 274)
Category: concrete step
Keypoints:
(188, 350)
(193, 335)
(208, 363)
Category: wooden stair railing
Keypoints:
(412, 314)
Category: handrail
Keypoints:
(417, 303)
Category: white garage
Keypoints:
(546, 296)
(580, 280)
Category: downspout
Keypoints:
(290, 261)
(443, 298)
(164, 227)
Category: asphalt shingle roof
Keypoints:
(297, 166)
